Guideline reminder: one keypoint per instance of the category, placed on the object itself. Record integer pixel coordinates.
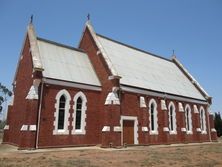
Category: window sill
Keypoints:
(78, 132)
(60, 132)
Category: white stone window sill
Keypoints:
(79, 132)
(172, 132)
(154, 133)
(61, 132)
(189, 132)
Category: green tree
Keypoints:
(2, 124)
(5, 93)
(218, 124)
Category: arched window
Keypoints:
(153, 117)
(172, 118)
(202, 120)
(188, 119)
(79, 114)
(61, 113)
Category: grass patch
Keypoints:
(78, 163)
(208, 163)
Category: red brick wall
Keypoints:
(130, 107)
(92, 136)
(18, 112)
(102, 71)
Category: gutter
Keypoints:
(39, 115)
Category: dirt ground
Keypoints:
(204, 155)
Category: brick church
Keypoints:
(103, 93)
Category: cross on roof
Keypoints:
(31, 19)
(88, 16)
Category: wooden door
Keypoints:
(128, 132)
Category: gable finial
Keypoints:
(174, 54)
(88, 17)
(31, 19)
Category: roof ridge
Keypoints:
(60, 44)
(132, 47)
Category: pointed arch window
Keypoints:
(172, 118)
(61, 114)
(153, 125)
(188, 119)
(79, 114)
(202, 120)
(152, 117)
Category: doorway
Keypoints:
(128, 132)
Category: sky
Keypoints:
(192, 28)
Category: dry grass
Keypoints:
(186, 156)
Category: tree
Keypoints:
(4, 94)
(218, 124)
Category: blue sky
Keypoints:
(192, 28)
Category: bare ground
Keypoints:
(204, 155)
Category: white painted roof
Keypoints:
(143, 70)
(64, 63)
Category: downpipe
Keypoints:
(39, 115)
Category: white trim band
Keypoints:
(183, 130)
(32, 128)
(71, 84)
(6, 127)
(163, 95)
(24, 128)
(106, 129)
(145, 129)
(163, 105)
(166, 129)
(198, 129)
(142, 102)
(195, 109)
(117, 129)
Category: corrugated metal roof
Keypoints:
(143, 70)
(65, 63)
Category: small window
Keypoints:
(202, 120)
(188, 119)
(61, 116)
(78, 113)
(153, 117)
(61, 113)
(172, 118)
